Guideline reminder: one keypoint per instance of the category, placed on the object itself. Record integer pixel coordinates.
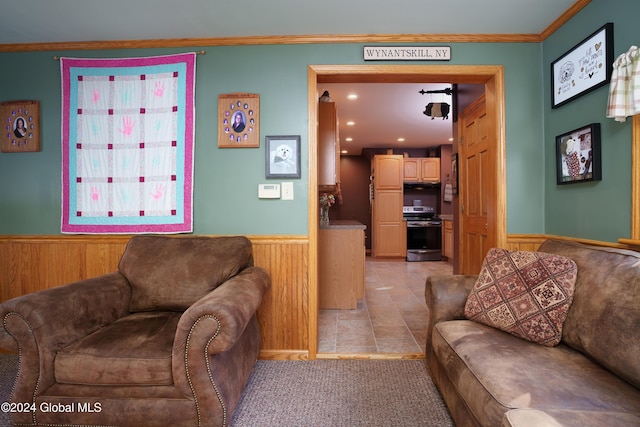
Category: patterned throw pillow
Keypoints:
(527, 294)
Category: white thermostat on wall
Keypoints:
(268, 191)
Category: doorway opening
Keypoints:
(490, 76)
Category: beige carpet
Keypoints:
(326, 393)
(341, 393)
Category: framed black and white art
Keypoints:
(282, 156)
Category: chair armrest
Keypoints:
(446, 296)
(59, 316)
(38, 324)
(218, 319)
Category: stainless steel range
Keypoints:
(424, 233)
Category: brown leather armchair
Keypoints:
(168, 339)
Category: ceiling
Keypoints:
(38, 21)
(382, 113)
(385, 112)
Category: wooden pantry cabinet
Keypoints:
(389, 234)
(421, 169)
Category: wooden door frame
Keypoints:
(492, 76)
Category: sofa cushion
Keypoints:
(527, 294)
(133, 350)
(604, 319)
(563, 418)
(171, 273)
(495, 372)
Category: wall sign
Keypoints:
(20, 126)
(407, 53)
(584, 68)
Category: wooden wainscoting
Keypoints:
(32, 263)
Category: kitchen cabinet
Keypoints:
(387, 172)
(421, 169)
(341, 264)
(328, 146)
(447, 239)
(389, 231)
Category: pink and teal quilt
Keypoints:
(128, 144)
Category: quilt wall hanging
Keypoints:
(127, 144)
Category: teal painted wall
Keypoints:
(226, 180)
(594, 210)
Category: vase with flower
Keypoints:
(326, 200)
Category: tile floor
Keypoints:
(391, 318)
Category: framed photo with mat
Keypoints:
(20, 126)
(239, 120)
(578, 155)
(282, 156)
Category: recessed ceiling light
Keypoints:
(350, 123)
(352, 96)
(344, 152)
(348, 139)
(450, 139)
(400, 139)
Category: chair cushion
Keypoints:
(171, 273)
(527, 294)
(134, 350)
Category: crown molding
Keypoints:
(301, 39)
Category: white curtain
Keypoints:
(624, 91)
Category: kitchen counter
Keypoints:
(446, 217)
(341, 255)
(343, 223)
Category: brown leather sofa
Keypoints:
(488, 377)
(167, 340)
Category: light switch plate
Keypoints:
(268, 191)
(287, 190)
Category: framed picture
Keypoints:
(578, 155)
(584, 68)
(20, 126)
(282, 156)
(239, 120)
(454, 173)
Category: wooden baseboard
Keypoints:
(284, 355)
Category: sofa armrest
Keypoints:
(37, 325)
(446, 296)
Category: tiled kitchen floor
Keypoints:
(392, 317)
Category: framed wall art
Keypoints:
(454, 173)
(587, 66)
(20, 126)
(239, 120)
(578, 155)
(282, 158)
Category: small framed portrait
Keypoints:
(282, 156)
(578, 155)
(20, 126)
(239, 120)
